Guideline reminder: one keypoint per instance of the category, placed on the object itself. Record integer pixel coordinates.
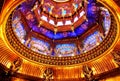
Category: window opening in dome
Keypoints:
(82, 13)
(51, 22)
(44, 18)
(68, 22)
(60, 23)
(75, 19)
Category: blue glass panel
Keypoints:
(107, 20)
(18, 28)
(66, 49)
(39, 46)
(40, 41)
(91, 41)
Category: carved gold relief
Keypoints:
(88, 73)
(48, 73)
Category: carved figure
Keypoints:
(116, 58)
(15, 66)
(88, 73)
(48, 73)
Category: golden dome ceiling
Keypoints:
(40, 44)
(72, 49)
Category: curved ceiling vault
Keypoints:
(63, 35)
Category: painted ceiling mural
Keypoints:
(49, 19)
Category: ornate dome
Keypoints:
(65, 39)
(61, 29)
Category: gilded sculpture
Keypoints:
(88, 73)
(15, 66)
(116, 57)
(48, 73)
